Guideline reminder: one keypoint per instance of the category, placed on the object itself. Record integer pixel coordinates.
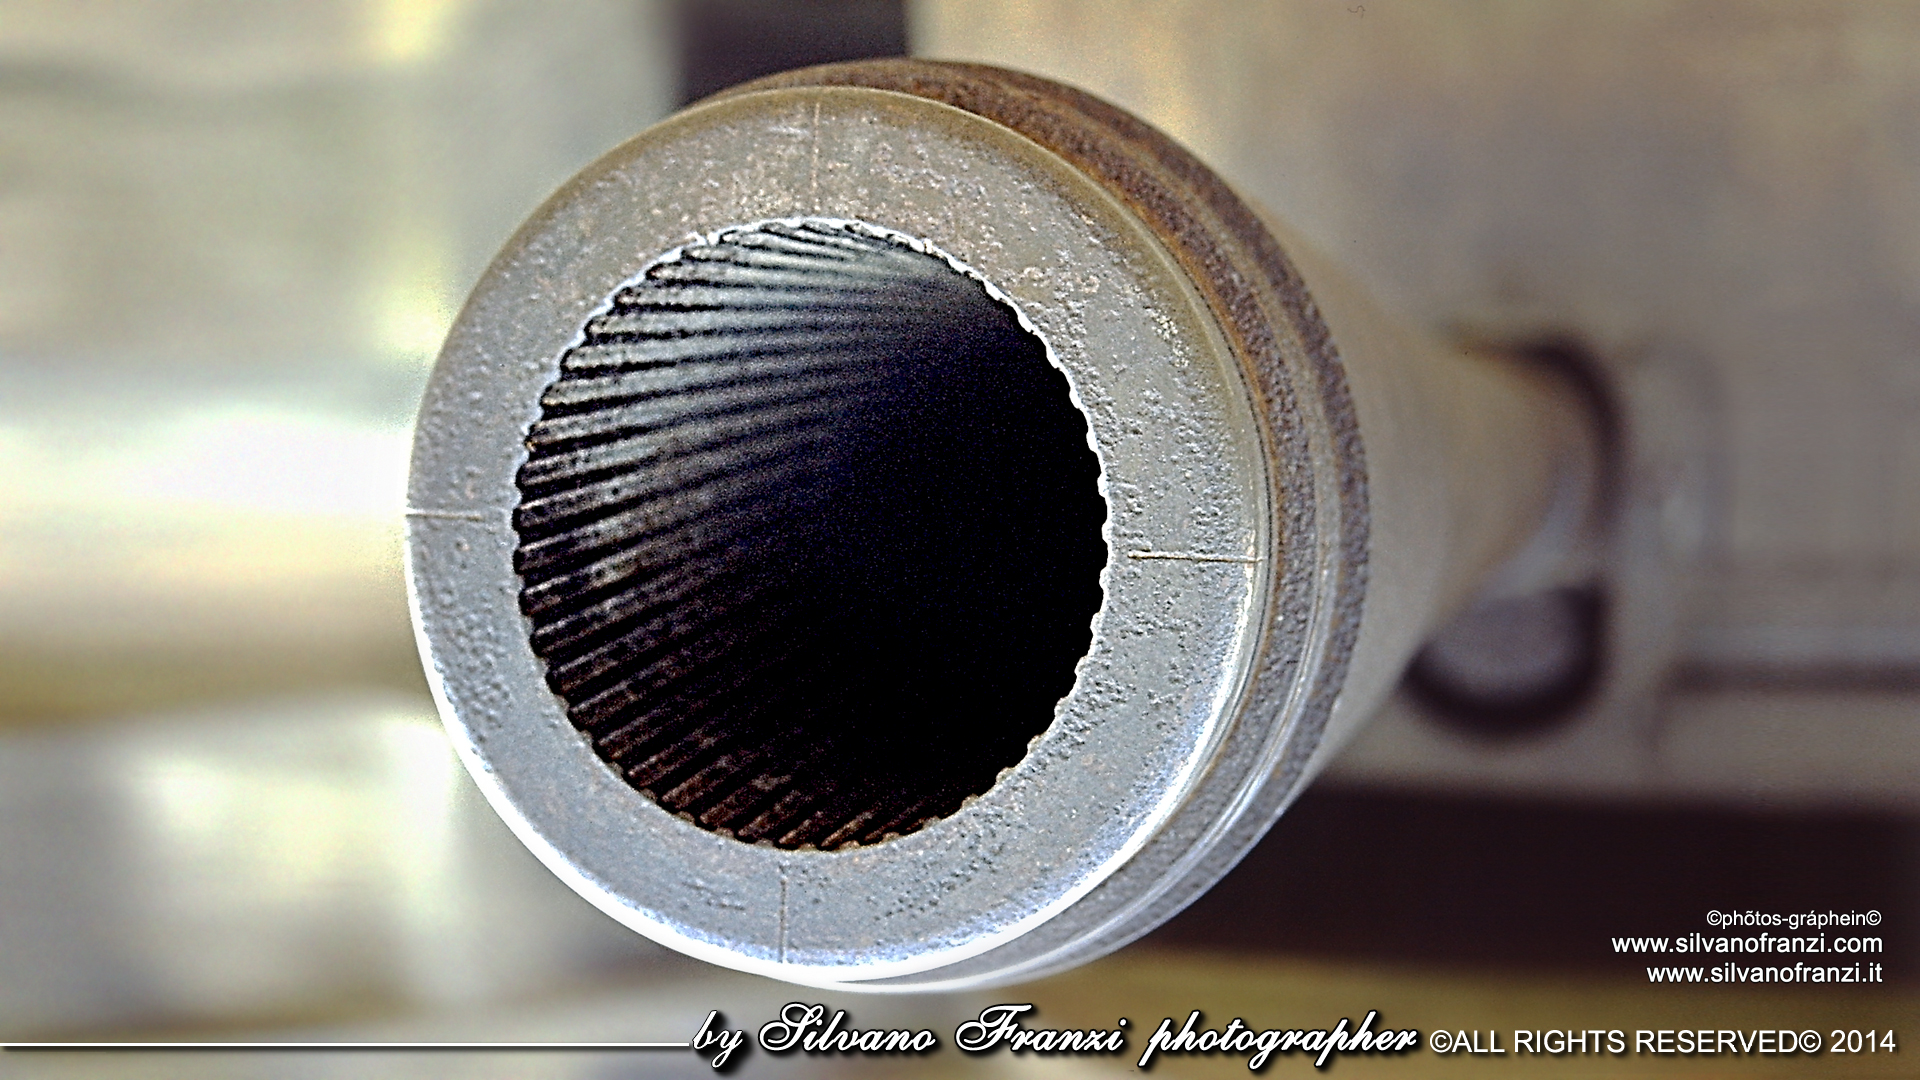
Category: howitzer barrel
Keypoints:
(906, 525)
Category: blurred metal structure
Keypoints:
(281, 211)
(1720, 198)
(231, 239)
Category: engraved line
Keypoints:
(456, 515)
(813, 188)
(783, 915)
(1191, 556)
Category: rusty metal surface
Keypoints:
(791, 486)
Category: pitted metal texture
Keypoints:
(656, 569)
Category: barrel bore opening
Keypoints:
(810, 535)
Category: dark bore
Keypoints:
(809, 535)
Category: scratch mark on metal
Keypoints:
(782, 948)
(814, 175)
(456, 515)
(1191, 556)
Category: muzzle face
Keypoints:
(856, 542)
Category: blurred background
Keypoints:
(232, 235)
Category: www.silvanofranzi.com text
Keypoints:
(1766, 943)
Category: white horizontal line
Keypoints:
(1191, 556)
(86, 1047)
